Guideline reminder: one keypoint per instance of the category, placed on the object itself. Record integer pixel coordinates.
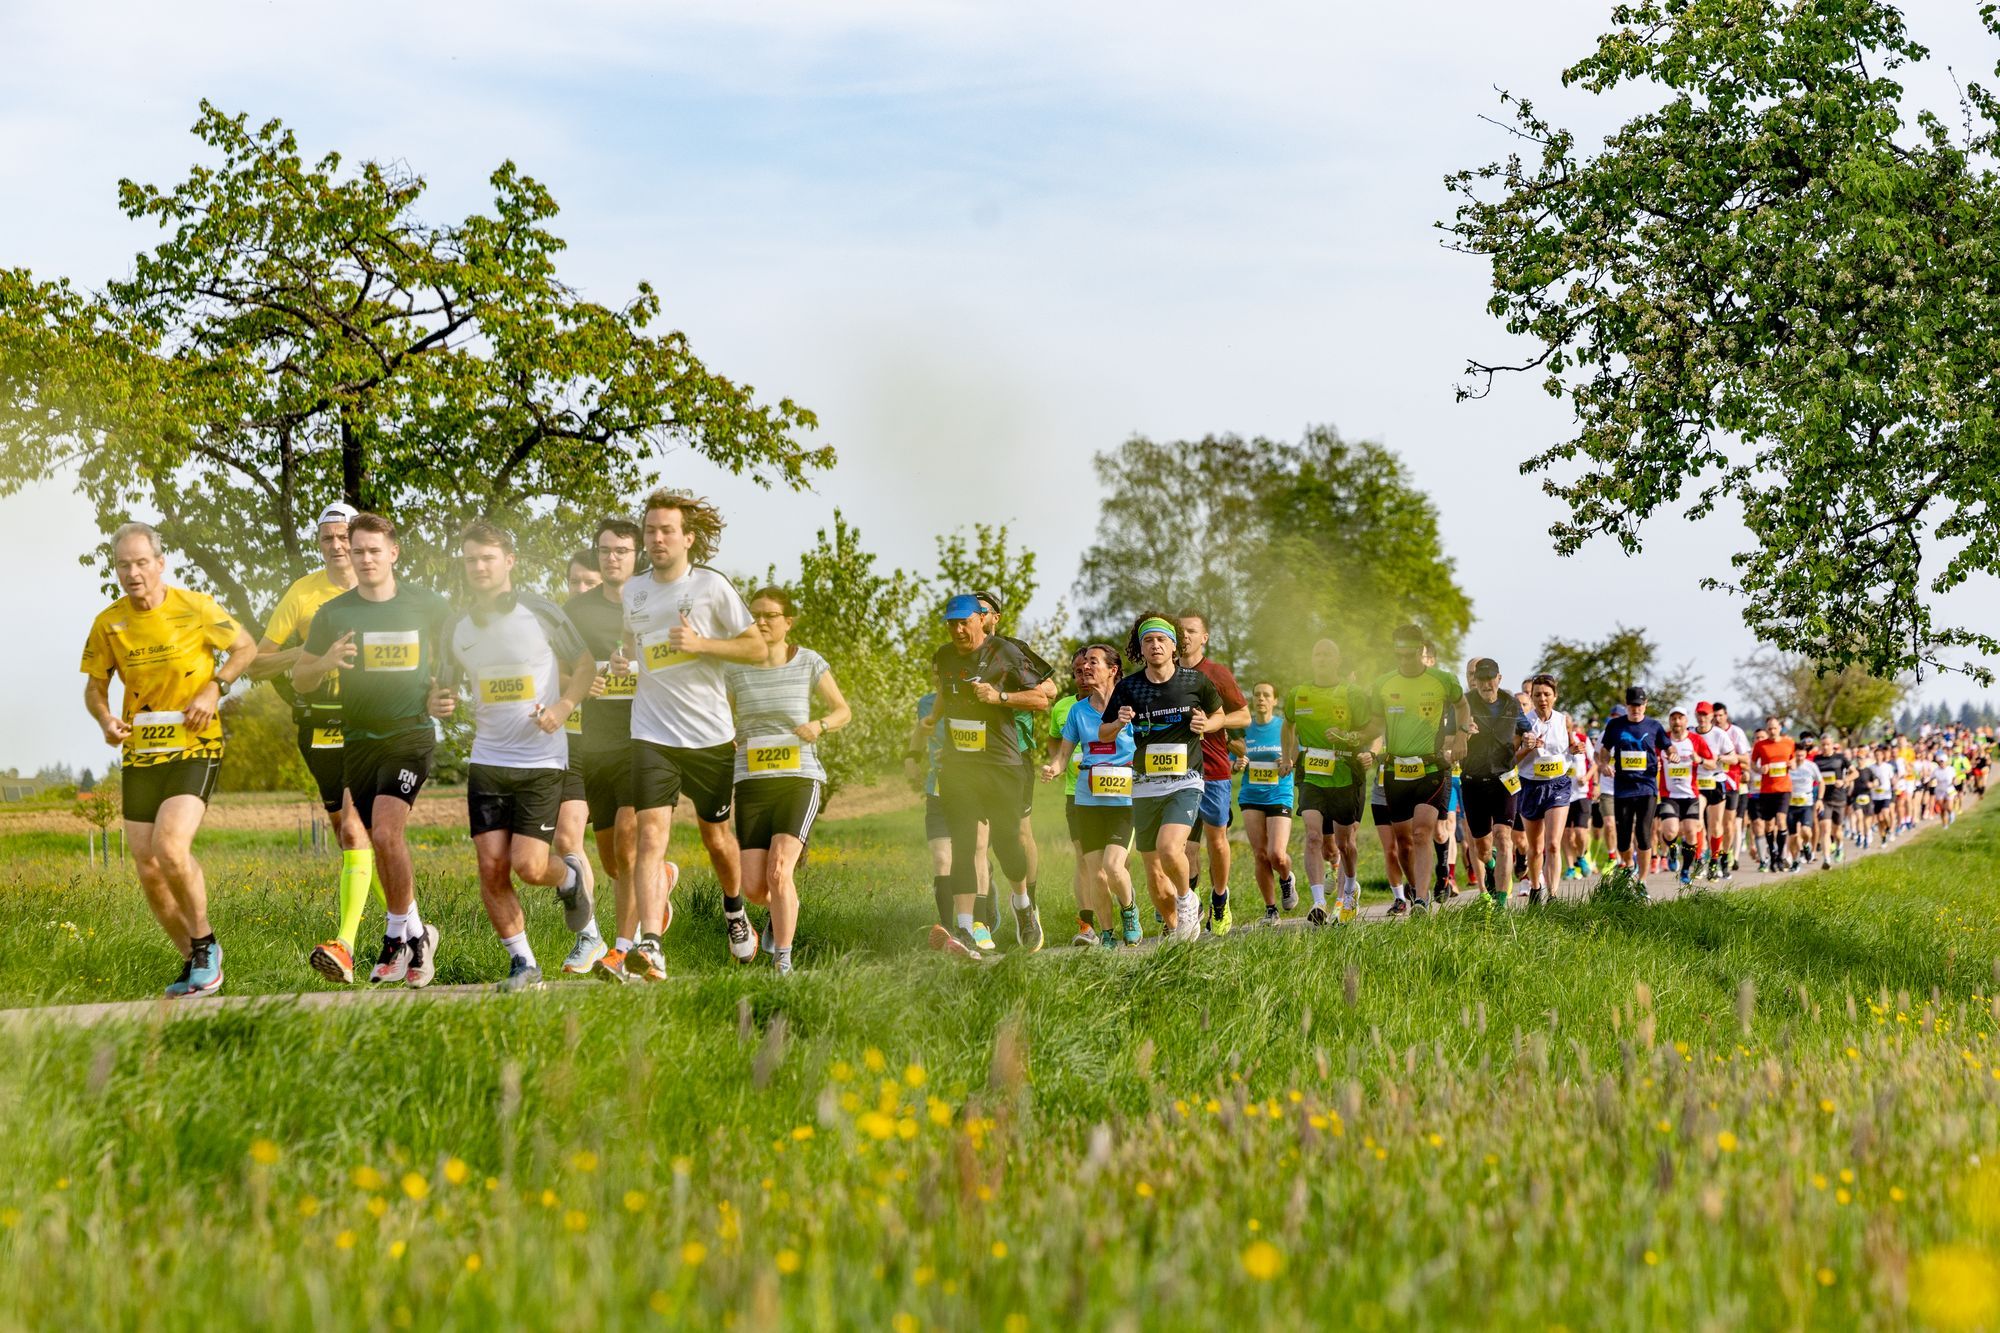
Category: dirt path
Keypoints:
(1662, 887)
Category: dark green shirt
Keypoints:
(387, 690)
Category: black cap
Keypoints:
(1485, 669)
(1718, 706)
(992, 600)
(1635, 694)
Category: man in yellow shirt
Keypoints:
(161, 642)
(321, 742)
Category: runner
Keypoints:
(1801, 823)
(1326, 738)
(1836, 771)
(384, 639)
(573, 815)
(779, 778)
(1882, 794)
(1266, 800)
(1682, 807)
(1714, 784)
(1771, 758)
(318, 721)
(920, 766)
(982, 681)
(1170, 708)
(1415, 705)
(1217, 767)
(1030, 729)
(601, 745)
(1630, 750)
(527, 670)
(1860, 796)
(1492, 779)
(161, 643)
(685, 621)
(1584, 810)
(1103, 799)
(1547, 775)
(1088, 900)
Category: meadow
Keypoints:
(1778, 1107)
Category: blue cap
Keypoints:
(963, 607)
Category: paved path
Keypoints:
(1663, 887)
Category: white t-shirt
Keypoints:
(513, 665)
(1551, 748)
(681, 700)
(1678, 763)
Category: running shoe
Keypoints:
(204, 970)
(423, 958)
(1271, 914)
(1288, 894)
(1189, 915)
(1534, 895)
(521, 975)
(1349, 902)
(589, 948)
(1086, 935)
(742, 939)
(579, 903)
(178, 986)
(980, 936)
(334, 961)
(645, 962)
(1419, 907)
(1107, 939)
(1128, 924)
(1572, 873)
(1221, 924)
(782, 962)
(1317, 916)
(393, 965)
(1028, 927)
(611, 968)
(1400, 907)
(1496, 899)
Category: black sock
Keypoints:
(1194, 877)
(731, 905)
(986, 910)
(947, 911)
(1218, 901)
(1088, 916)
(651, 937)
(1032, 899)
(202, 939)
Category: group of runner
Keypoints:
(656, 679)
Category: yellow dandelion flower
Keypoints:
(999, 1249)
(1652, 1259)
(913, 1074)
(584, 1161)
(576, 1219)
(1955, 1287)
(264, 1152)
(309, 1206)
(904, 1322)
(841, 1071)
(548, 1198)
(906, 1128)
(1016, 1323)
(10, 1218)
(1143, 1190)
(788, 1262)
(1826, 1105)
(1818, 1181)
(922, 1277)
(1436, 1140)
(1853, 1054)
(1896, 1194)
(877, 1126)
(456, 1171)
(1381, 1154)
(398, 1248)
(1842, 1197)
(1846, 1176)
(635, 1201)
(1824, 1277)
(938, 1111)
(492, 1183)
(344, 1241)
(367, 1178)
(872, 1058)
(684, 1165)
(378, 1207)
(1726, 1141)
(1664, 1125)
(416, 1186)
(473, 1263)
(1262, 1260)
(800, 1133)
(984, 1193)
(1295, 1096)
(693, 1253)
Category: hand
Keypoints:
(912, 774)
(1284, 766)
(116, 730)
(1237, 763)
(201, 712)
(1365, 758)
(1049, 771)
(1125, 714)
(682, 638)
(620, 664)
(339, 654)
(443, 703)
(551, 719)
(1198, 722)
(985, 693)
(809, 732)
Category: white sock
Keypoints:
(1397, 889)
(965, 921)
(413, 925)
(1319, 895)
(517, 947)
(624, 945)
(570, 877)
(394, 925)
(1020, 901)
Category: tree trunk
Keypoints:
(353, 465)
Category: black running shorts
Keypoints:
(520, 801)
(660, 773)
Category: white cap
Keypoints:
(337, 512)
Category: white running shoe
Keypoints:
(742, 939)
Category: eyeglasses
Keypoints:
(769, 615)
(624, 551)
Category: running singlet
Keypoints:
(1107, 776)
(680, 700)
(290, 622)
(975, 732)
(1805, 778)
(1215, 761)
(1163, 726)
(606, 719)
(1713, 774)
(1413, 711)
(1680, 762)
(1551, 758)
(164, 656)
(1635, 750)
(1059, 712)
(511, 663)
(1325, 719)
(1833, 773)
(1262, 748)
(396, 642)
(1775, 757)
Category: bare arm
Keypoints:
(274, 661)
(97, 698)
(837, 714)
(309, 671)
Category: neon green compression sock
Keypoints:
(357, 869)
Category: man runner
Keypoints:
(1500, 738)
(1681, 806)
(1630, 750)
(1771, 758)
(1326, 739)
(527, 670)
(1836, 771)
(384, 640)
(602, 749)
(161, 642)
(1031, 730)
(684, 620)
(1217, 767)
(1411, 705)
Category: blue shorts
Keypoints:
(1457, 798)
(1540, 796)
(1216, 794)
(1150, 812)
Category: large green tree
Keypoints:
(303, 335)
(1773, 294)
(1850, 701)
(1277, 542)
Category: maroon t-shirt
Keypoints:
(1215, 765)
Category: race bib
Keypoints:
(1776, 770)
(657, 651)
(1800, 798)
(1106, 780)
(1510, 781)
(1409, 767)
(1319, 763)
(1547, 767)
(1706, 782)
(1166, 761)
(617, 684)
(573, 724)
(159, 733)
(506, 685)
(390, 650)
(327, 736)
(773, 754)
(967, 737)
(1680, 772)
(1632, 761)
(1263, 773)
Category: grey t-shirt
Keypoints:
(511, 663)
(770, 702)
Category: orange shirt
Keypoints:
(1775, 758)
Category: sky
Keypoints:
(982, 242)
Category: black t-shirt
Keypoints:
(387, 690)
(1834, 769)
(975, 732)
(1489, 751)
(607, 718)
(1163, 715)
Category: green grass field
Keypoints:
(1772, 1108)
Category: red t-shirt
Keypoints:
(1215, 765)
(1779, 752)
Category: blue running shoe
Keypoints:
(204, 969)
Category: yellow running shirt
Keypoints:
(164, 656)
(292, 620)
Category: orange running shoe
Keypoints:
(334, 961)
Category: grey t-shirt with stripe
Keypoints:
(769, 703)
